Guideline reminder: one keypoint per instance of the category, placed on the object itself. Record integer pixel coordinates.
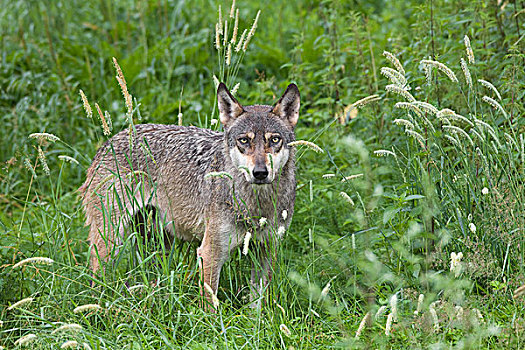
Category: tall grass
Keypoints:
(407, 230)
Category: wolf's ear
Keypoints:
(229, 108)
(288, 105)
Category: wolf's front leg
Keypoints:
(262, 271)
(212, 254)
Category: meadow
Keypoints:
(409, 222)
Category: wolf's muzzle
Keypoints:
(260, 173)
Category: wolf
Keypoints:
(213, 187)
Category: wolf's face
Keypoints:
(258, 136)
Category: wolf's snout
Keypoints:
(260, 173)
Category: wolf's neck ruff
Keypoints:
(168, 170)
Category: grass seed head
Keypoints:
(105, 125)
(489, 85)
(308, 144)
(87, 307)
(214, 299)
(246, 244)
(400, 91)
(232, 10)
(519, 292)
(326, 289)
(220, 20)
(362, 325)
(393, 59)
(235, 89)
(43, 161)
(393, 306)
(44, 136)
(380, 312)
(85, 102)
(34, 260)
(229, 55)
(495, 104)
(407, 124)
(468, 48)
(124, 87)
(70, 327)
(21, 303)
(384, 153)
(285, 330)
(347, 198)
(235, 27)
(217, 37)
(68, 159)
(252, 31)
(70, 344)
(466, 73)
(388, 326)
(26, 340)
(239, 44)
(225, 40)
(443, 68)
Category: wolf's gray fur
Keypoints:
(173, 169)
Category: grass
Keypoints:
(370, 245)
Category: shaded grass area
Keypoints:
(370, 251)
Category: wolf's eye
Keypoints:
(275, 139)
(243, 140)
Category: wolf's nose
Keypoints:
(260, 173)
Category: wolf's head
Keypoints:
(258, 136)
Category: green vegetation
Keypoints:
(432, 167)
